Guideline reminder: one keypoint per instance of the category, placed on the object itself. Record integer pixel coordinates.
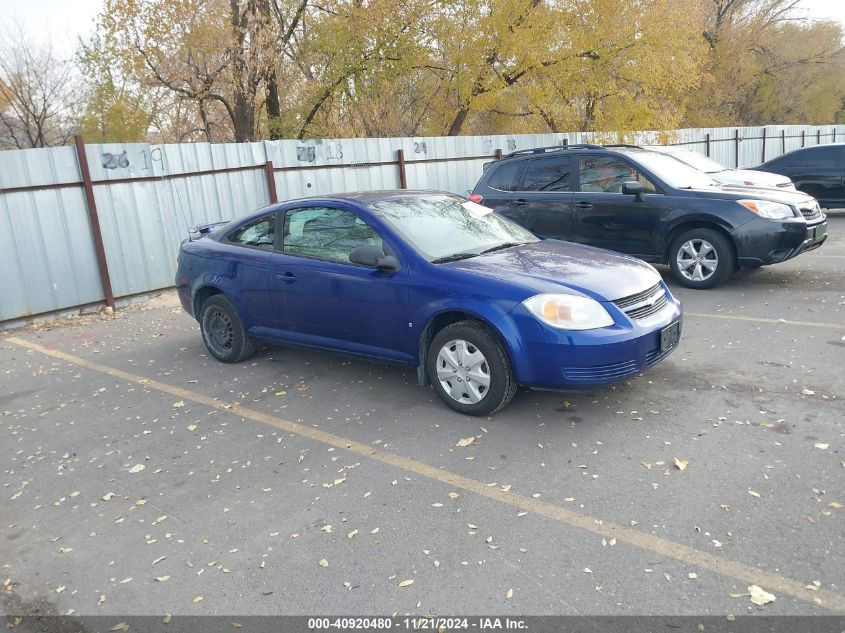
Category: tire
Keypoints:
(223, 331)
(701, 258)
(489, 383)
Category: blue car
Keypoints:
(430, 280)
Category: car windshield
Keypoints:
(694, 159)
(672, 171)
(443, 227)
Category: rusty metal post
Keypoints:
(802, 138)
(403, 178)
(97, 233)
(271, 182)
(736, 148)
(707, 143)
(818, 136)
(763, 160)
(783, 141)
(499, 154)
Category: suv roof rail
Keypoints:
(552, 148)
(625, 145)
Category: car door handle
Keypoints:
(520, 203)
(288, 278)
(583, 205)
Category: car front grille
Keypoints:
(811, 212)
(601, 372)
(643, 304)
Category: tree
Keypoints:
(37, 97)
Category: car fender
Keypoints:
(493, 314)
(222, 285)
(695, 219)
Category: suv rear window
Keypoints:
(506, 177)
(548, 174)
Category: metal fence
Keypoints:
(90, 224)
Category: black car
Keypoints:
(818, 171)
(649, 205)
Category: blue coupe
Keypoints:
(429, 280)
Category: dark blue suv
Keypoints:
(650, 205)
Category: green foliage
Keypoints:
(240, 69)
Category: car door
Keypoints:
(605, 217)
(817, 171)
(324, 300)
(543, 200)
(244, 261)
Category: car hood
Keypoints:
(729, 192)
(750, 178)
(554, 266)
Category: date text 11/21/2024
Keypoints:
(418, 623)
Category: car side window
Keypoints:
(818, 157)
(505, 177)
(548, 174)
(328, 234)
(599, 174)
(260, 233)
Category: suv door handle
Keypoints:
(288, 278)
(583, 205)
(520, 203)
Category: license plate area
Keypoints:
(670, 336)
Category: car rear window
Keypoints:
(548, 174)
(506, 176)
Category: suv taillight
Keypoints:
(476, 198)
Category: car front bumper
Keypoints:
(548, 358)
(762, 242)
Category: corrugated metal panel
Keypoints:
(46, 248)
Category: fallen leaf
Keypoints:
(521, 514)
(821, 446)
(166, 619)
(162, 578)
(108, 496)
(509, 594)
(454, 495)
(760, 596)
(60, 588)
(835, 505)
(120, 626)
(65, 550)
(324, 562)
(192, 427)
(374, 531)
(125, 580)
(102, 599)
(158, 560)
(692, 575)
(465, 442)
(681, 464)
(178, 405)
(137, 468)
(753, 493)
(406, 583)
(436, 505)
(352, 534)
(197, 599)
(808, 392)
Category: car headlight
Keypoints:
(568, 312)
(768, 209)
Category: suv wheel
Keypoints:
(701, 258)
(469, 369)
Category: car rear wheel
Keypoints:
(470, 370)
(223, 331)
(701, 258)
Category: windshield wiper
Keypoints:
(501, 247)
(453, 257)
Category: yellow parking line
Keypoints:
(643, 540)
(730, 317)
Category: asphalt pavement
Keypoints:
(140, 476)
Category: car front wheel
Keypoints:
(223, 331)
(469, 369)
(701, 258)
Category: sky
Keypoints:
(66, 20)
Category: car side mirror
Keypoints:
(633, 188)
(373, 257)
